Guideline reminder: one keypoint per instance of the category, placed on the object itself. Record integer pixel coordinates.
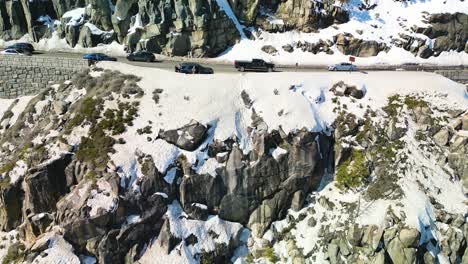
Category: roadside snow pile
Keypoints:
(55, 43)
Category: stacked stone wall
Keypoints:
(29, 75)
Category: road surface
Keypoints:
(456, 73)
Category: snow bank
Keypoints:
(291, 101)
(55, 43)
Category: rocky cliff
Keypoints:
(208, 28)
(115, 167)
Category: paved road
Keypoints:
(169, 63)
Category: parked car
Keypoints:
(11, 52)
(141, 56)
(23, 47)
(344, 66)
(193, 68)
(254, 65)
(98, 57)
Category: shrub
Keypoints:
(145, 130)
(419, 135)
(95, 149)
(14, 254)
(351, 172)
(269, 254)
(7, 167)
(413, 102)
(394, 105)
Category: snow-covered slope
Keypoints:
(142, 164)
(385, 23)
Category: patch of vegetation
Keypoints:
(365, 128)
(351, 173)
(387, 151)
(116, 120)
(346, 123)
(37, 155)
(95, 149)
(7, 114)
(286, 230)
(92, 176)
(7, 167)
(419, 135)
(412, 102)
(15, 254)
(269, 254)
(89, 110)
(106, 83)
(382, 187)
(249, 259)
(145, 130)
(147, 166)
(156, 94)
(394, 105)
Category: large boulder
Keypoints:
(409, 237)
(349, 45)
(188, 137)
(202, 189)
(44, 187)
(11, 197)
(91, 36)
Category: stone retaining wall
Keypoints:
(28, 75)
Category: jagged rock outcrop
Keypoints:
(44, 187)
(10, 209)
(448, 31)
(350, 45)
(306, 16)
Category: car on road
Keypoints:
(22, 47)
(254, 65)
(13, 52)
(193, 68)
(98, 57)
(141, 56)
(344, 66)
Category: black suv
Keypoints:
(22, 47)
(193, 68)
(141, 56)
